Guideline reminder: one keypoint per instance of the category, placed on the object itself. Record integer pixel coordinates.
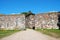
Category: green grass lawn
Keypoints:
(50, 32)
(4, 33)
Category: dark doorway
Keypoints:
(33, 28)
(58, 24)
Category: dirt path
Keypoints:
(29, 34)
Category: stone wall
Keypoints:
(12, 21)
(47, 20)
(30, 21)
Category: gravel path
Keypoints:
(29, 34)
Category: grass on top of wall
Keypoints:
(4, 33)
(50, 32)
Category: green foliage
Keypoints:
(58, 11)
(27, 13)
(51, 32)
(4, 33)
(24, 13)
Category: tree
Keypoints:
(58, 24)
(24, 13)
(27, 13)
(58, 11)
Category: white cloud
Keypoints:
(15, 13)
(53, 11)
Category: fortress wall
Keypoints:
(48, 21)
(30, 21)
(12, 21)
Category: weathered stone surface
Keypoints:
(48, 21)
(12, 21)
(30, 21)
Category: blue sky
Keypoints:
(36, 6)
